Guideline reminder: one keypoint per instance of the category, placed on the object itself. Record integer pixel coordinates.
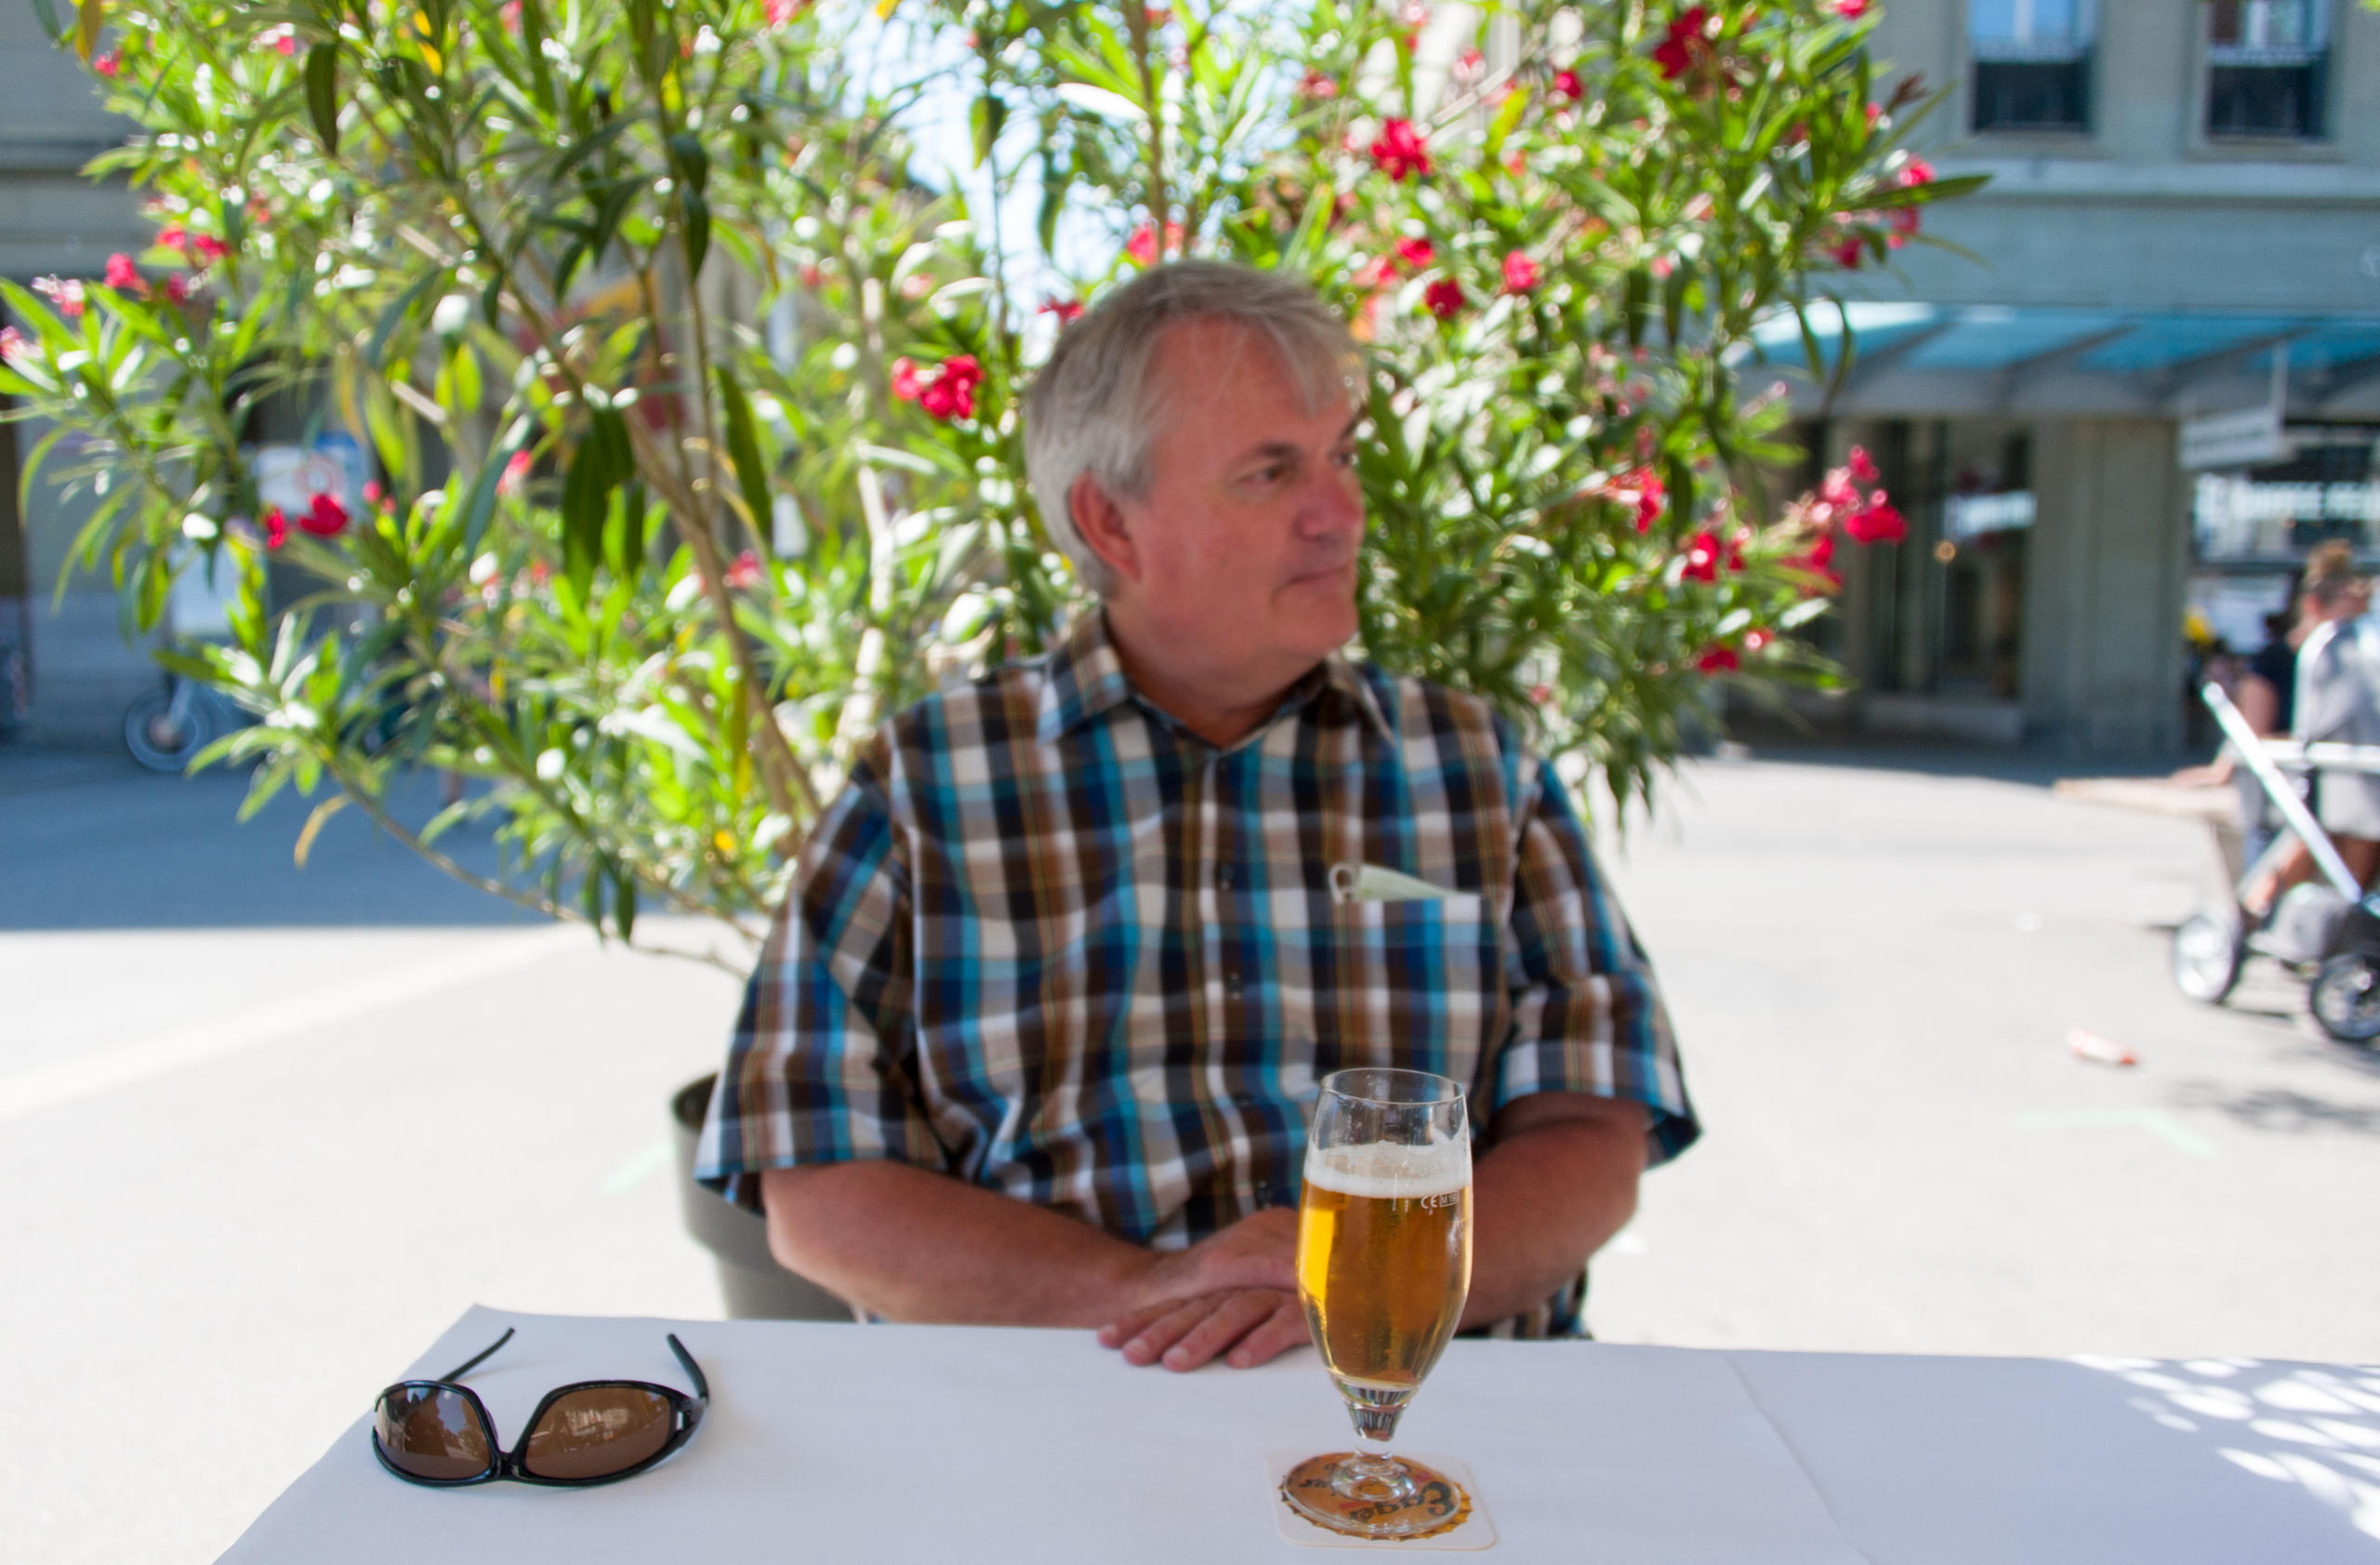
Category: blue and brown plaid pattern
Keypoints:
(1052, 943)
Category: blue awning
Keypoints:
(1943, 355)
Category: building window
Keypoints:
(2032, 63)
(2265, 61)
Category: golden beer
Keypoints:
(1385, 1261)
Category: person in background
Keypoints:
(2333, 696)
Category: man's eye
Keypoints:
(1345, 458)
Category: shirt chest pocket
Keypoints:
(1412, 983)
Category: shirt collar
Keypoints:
(1083, 679)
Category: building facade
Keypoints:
(2118, 429)
(66, 670)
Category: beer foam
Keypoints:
(1389, 1170)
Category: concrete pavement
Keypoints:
(265, 1132)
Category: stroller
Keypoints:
(2326, 932)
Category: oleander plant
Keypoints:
(683, 341)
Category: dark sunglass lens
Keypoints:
(432, 1433)
(596, 1432)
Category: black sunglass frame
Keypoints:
(685, 1417)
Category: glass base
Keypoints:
(1363, 1495)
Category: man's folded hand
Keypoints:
(1231, 1296)
(1242, 1326)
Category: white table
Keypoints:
(844, 1444)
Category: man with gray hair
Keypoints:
(1034, 1039)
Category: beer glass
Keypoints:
(1384, 1265)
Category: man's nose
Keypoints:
(1333, 504)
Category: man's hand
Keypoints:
(1244, 1327)
(1232, 1294)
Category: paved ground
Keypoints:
(264, 1131)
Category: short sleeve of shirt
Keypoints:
(1587, 1016)
(821, 1067)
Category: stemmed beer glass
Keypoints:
(1384, 1266)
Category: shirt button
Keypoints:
(1233, 983)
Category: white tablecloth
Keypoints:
(845, 1443)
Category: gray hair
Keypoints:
(1093, 409)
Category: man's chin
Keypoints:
(1318, 614)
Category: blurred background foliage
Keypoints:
(684, 340)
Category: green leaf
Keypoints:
(691, 160)
(987, 118)
(744, 450)
(88, 17)
(321, 94)
(697, 232)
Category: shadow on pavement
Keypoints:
(93, 842)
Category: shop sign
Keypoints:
(2232, 440)
(1971, 516)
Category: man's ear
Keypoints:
(1103, 527)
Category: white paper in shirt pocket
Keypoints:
(1370, 882)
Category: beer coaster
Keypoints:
(1465, 1526)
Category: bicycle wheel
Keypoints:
(2344, 998)
(2208, 950)
(161, 739)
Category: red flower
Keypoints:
(209, 248)
(1443, 298)
(1313, 84)
(516, 473)
(745, 571)
(1416, 253)
(123, 276)
(1876, 522)
(1651, 496)
(178, 288)
(1719, 658)
(1141, 247)
(66, 292)
(14, 345)
(949, 394)
(1566, 84)
(276, 528)
(1702, 558)
(1916, 172)
(1399, 151)
(282, 38)
(1520, 273)
(1067, 311)
(1851, 10)
(108, 64)
(1849, 254)
(324, 516)
(1686, 45)
(782, 13)
(1862, 467)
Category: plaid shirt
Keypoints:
(1051, 942)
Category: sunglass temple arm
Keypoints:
(468, 1365)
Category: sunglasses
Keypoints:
(438, 1433)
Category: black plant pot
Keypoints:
(756, 1286)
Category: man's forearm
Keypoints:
(911, 1244)
(1547, 1194)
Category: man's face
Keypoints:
(1246, 539)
